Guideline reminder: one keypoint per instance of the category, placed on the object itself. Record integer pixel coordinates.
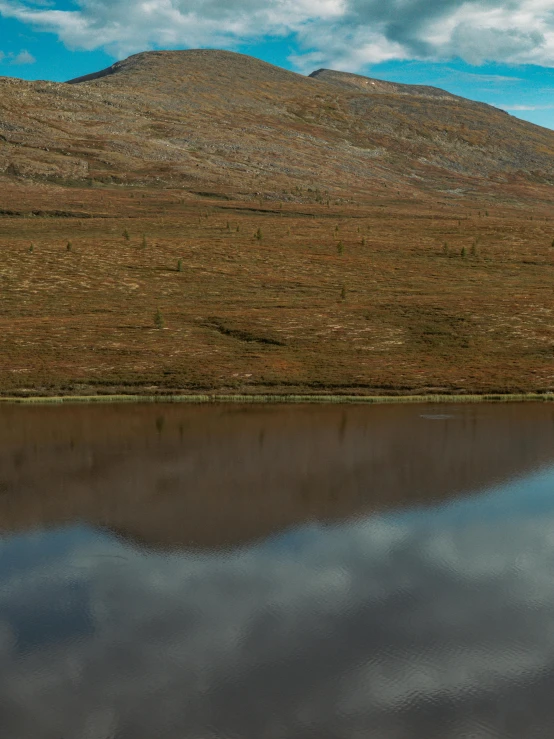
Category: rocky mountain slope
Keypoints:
(201, 222)
(216, 120)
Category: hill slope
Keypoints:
(202, 221)
(214, 119)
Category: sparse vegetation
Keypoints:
(457, 332)
(159, 322)
(410, 321)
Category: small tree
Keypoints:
(126, 235)
(179, 265)
(159, 322)
(474, 250)
(144, 242)
(32, 248)
(445, 248)
(343, 293)
(463, 252)
(340, 247)
(68, 247)
(258, 235)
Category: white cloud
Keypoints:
(526, 107)
(345, 34)
(24, 57)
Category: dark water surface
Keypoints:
(173, 572)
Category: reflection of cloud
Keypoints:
(417, 627)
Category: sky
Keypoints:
(496, 51)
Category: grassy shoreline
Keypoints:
(281, 399)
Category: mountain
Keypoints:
(217, 120)
(204, 222)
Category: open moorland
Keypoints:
(160, 234)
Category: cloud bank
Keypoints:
(344, 34)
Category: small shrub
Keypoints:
(144, 243)
(258, 235)
(126, 235)
(179, 265)
(340, 247)
(474, 250)
(343, 293)
(32, 248)
(363, 241)
(238, 229)
(445, 248)
(463, 252)
(68, 247)
(159, 322)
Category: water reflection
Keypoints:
(219, 477)
(431, 621)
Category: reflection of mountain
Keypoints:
(174, 476)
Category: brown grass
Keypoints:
(286, 313)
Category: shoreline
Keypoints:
(205, 399)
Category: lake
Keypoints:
(270, 572)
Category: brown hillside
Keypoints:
(297, 234)
(206, 119)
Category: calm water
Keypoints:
(266, 572)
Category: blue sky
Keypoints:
(496, 51)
